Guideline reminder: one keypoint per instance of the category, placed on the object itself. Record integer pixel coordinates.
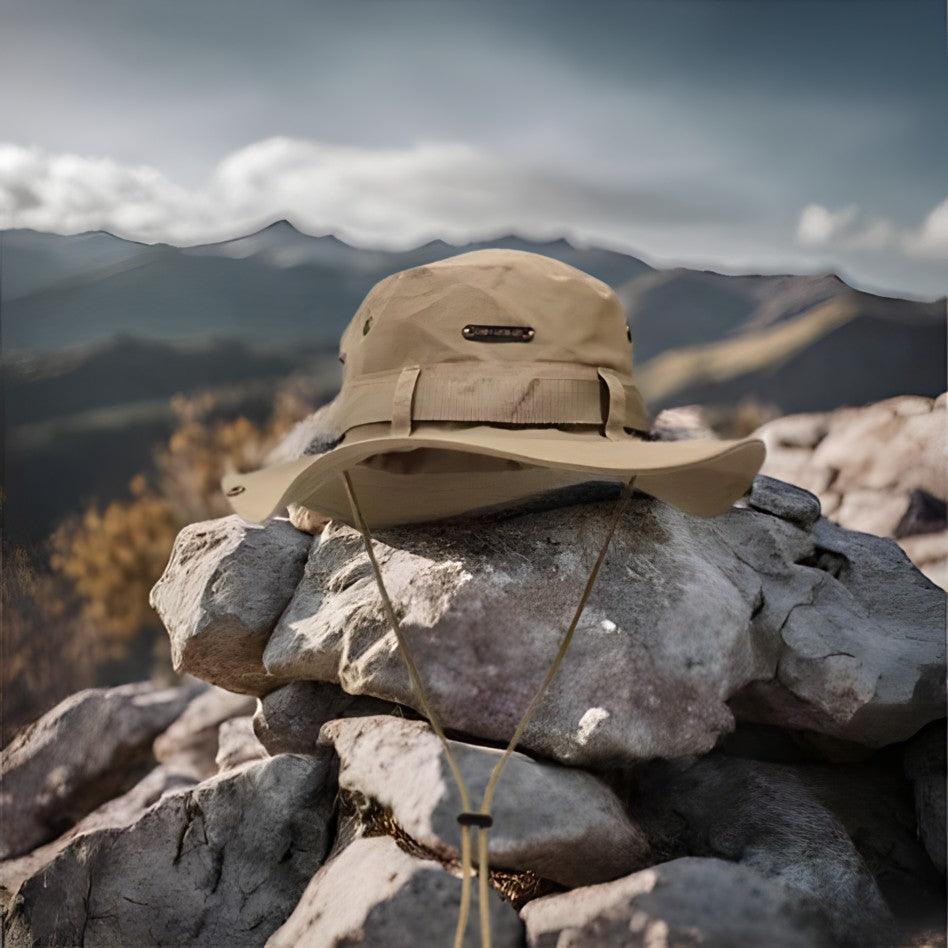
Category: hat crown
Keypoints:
(487, 306)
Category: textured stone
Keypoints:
(118, 812)
(869, 466)
(89, 748)
(224, 588)
(237, 744)
(783, 500)
(690, 619)
(687, 902)
(925, 766)
(789, 823)
(562, 824)
(190, 744)
(223, 863)
(287, 721)
(375, 894)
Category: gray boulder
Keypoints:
(190, 744)
(220, 596)
(687, 902)
(925, 766)
(121, 811)
(89, 748)
(287, 720)
(223, 863)
(691, 620)
(789, 823)
(237, 744)
(374, 894)
(561, 824)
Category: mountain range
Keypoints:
(97, 333)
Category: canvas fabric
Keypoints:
(426, 402)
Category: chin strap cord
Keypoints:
(482, 819)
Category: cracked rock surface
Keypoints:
(692, 620)
(89, 748)
(687, 902)
(221, 594)
(222, 863)
(400, 901)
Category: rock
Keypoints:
(119, 812)
(924, 514)
(860, 661)
(785, 501)
(925, 766)
(288, 720)
(563, 825)
(89, 748)
(690, 619)
(190, 744)
(238, 744)
(929, 552)
(775, 819)
(224, 587)
(870, 467)
(686, 902)
(223, 863)
(399, 902)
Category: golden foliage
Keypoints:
(49, 651)
(111, 559)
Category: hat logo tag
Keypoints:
(476, 333)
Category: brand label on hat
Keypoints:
(475, 333)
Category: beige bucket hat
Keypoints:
(482, 380)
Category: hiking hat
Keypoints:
(481, 380)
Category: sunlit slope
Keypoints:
(851, 349)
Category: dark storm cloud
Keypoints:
(711, 132)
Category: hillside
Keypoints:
(850, 349)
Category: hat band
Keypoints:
(533, 394)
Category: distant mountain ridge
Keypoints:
(276, 286)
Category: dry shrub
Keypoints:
(111, 559)
(48, 649)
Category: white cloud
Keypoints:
(382, 197)
(930, 241)
(819, 225)
(849, 229)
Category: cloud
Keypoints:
(819, 225)
(382, 197)
(847, 228)
(930, 241)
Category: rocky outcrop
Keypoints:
(686, 902)
(190, 745)
(400, 901)
(791, 823)
(223, 863)
(114, 814)
(561, 824)
(879, 469)
(287, 721)
(237, 744)
(89, 748)
(221, 595)
(925, 766)
(763, 612)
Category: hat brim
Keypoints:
(702, 477)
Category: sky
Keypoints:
(757, 135)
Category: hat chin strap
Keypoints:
(482, 818)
